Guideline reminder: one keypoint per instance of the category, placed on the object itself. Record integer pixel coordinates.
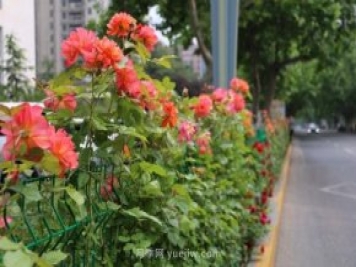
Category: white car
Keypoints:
(313, 128)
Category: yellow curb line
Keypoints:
(268, 257)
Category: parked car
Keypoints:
(313, 128)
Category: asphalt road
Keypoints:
(318, 227)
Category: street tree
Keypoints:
(272, 34)
(316, 90)
(16, 84)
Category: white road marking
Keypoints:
(333, 190)
(349, 151)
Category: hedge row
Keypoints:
(145, 177)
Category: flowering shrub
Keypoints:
(176, 174)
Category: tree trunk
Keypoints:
(205, 52)
(271, 89)
(256, 92)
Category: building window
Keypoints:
(63, 15)
(89, 10)
(51, 13)
(75, 15)
(52, 50)
(51, 25)
(51, 2)
(75, 1)
(63, 2)
(74, 26)
(0, 4)
(64, 27)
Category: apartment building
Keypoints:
(54, 20)
(17, 17)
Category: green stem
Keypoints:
(89, 188)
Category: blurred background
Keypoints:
(298, 56)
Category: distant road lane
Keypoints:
(318, 227)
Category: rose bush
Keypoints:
(153, 179)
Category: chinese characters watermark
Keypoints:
(174, 254)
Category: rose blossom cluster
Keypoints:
(239, 85)
(28, 132)
(188, 132)
(55, 103)
(96, 53)
(104, 53)
(229, 101)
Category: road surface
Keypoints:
(318, 227)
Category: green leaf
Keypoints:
(181, 203)
(138, 236)
(164, 61)
(17, 258)
(140, 214)
(171, 141)
(174, 238)
(153, 168)
(168, 84)
(99, 124)
(131, 131)
(31, 192)
(102, 87)
(42, 263)
(153, 189)
(7, 165)
(63, 90)
(124, 238)
(185, 225)
(7, 244)
(75, 195)
(180, 190)
(113, 206)
(130, 113)
(78, 73)
(174, 222)
(82, 213)
(62, 79)
(25, 166)
(154, 130)
(128, 44)
(83, 179)
(50, 164)
(54, 257)
(142, 51)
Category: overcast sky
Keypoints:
(154, 18)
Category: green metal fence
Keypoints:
(45, 217)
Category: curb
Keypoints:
(267, 259)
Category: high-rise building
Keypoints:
(17, 18)
(54, 20)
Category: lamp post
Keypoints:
(224, 26)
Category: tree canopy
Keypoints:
(272, 34)
(16, 82)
